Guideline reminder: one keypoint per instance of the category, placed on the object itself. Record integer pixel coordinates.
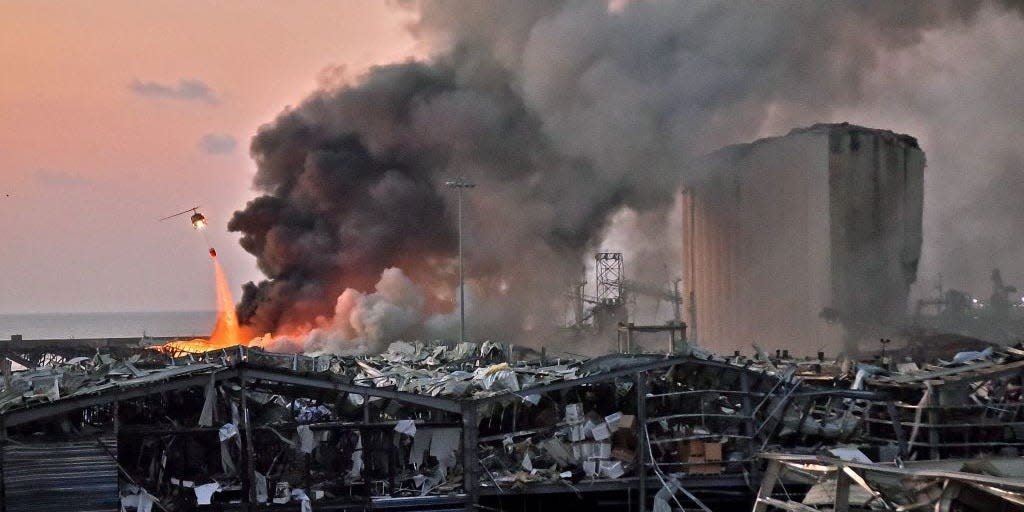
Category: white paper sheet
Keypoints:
(306, 439)
(205, 492)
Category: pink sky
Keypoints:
(115, 113)
(97, 140)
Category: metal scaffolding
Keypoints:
(610, 277)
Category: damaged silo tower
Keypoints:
(808, 241)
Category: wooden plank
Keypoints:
(842, 500)
(785, 505)
(764, 493)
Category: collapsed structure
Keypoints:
(434, 426)
(811, 239)
(429, 426)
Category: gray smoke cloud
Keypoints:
(567, 114)
(955, 92)
(217, 143)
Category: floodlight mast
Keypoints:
(459, 184)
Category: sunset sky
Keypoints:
(116, 113)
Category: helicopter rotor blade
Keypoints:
(179, 214)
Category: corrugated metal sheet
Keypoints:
(79, 476)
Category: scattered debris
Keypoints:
(429, 420)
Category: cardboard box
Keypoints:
(624, 438)
(576, 433)
(691, 451)
(627, 422)
(583, 451)
(704, 469)
(713, 452)
(611, 469)
(574, 413)
(612, 420)
(624, 454)
(625, 435)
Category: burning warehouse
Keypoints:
(808, 240)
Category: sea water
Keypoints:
(107, 325)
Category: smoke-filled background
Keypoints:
(577, 121)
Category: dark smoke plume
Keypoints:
(354, 185)
(564, 114)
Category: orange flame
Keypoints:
(226, 331)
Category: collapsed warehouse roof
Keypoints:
(391, 426)
(847, 480)
(243, 426)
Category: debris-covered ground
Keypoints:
(475, 423)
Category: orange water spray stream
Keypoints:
(225, 332)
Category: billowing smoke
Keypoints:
(354, 184)
(564, 114)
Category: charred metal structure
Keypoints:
(373, 433)
(467, 426)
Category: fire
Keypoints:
(226, 331)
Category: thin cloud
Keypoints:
(217, 143)
(186, 90)
(62, 179)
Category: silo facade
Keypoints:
(806, 241)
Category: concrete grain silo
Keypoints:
(808, 241)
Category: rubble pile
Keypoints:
(457, 422)
(846, 479)
(943, 435)
(79, 376)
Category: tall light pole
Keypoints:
(459, 184)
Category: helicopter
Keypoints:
(199, 223)
(198, 220)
